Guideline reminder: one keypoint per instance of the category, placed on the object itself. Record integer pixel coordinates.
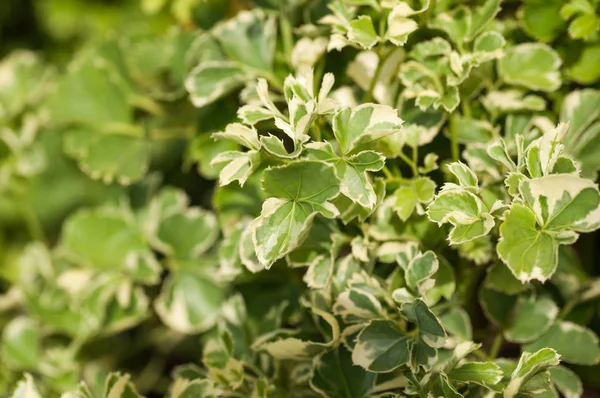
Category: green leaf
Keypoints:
(531, 319)
(456, 23)
(26, 388)
(582, 71)
(444, 284)
(530, 365)
(430, 329)
(20, 344)
(119, 385)
(190, 300)
(203, 149)
(496, 306)
(531, 65)
(217, 356)
(238, 166)
(409, 197)
(500, 278)
(240, 134)
(183, 388)
(399, 25)
(177, 230)
(468, 130)
(335, 376)
(406, 201)
(584, 26)
(107, 240)
(302, 190)
(319, 272)
(420, 269)
(362, 32)
(351, 170)
(210, 81)
(448, 389)
(482, 15)
(575, 206)
(566, 381)
(574, 7)
(465, 176)
(457, 323)
(24, 80)
(541, 19)
(363, 124)
(357, 305)
(528, 252)
(575, 344)
(486, 374)
(381, 347)
(274, 146)
(512, 100)
(580, 108)
(422, 355)
(281, 343)
(465, 211)
(248, 39)
(109, 157)
(94, 99)
(90, 95)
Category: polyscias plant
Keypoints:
(347, 198)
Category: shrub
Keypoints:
(348, 198)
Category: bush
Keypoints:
(299, 198)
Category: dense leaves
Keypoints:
(328, 198)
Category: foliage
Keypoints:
(346, 198)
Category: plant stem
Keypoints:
(319, 72)
(466, 108)
(316, 129)
(428, 12)
(183, 133)
(481, 355)
(415, 160)
(409, 162)
(454, 146)
(287, 38)
(273, 81)
(369, 93)
(496, 345)
(388, 173)
(567, 308)
(33, 224)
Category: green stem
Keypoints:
(319, 71)
(369, 93)
(274, 81)
(316, 129)
(496, 345)
(454, 146)
(568, 307)
(481, 355)
(382, 22)
(428, 12)
(33, 224)
(287, 37)
(466, 108)
(184, 133)
(409, 162)
(415, 160)
(388, 173)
